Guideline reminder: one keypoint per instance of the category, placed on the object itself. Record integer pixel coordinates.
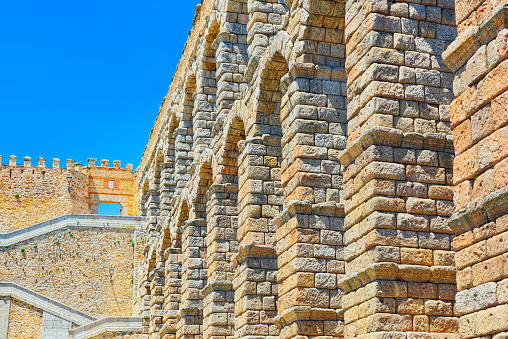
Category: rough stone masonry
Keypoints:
(328, 169)
(319, 169)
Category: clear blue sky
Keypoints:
(85, 79)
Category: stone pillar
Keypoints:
(227, 69)
(154, 265)
(167, 187)
(41, 162)
(231, 56)
(27, 162)
(78, 167)
(157, 281)
(313, 118)
(56, 163)
(12, 160)
(172, 292)
(205, 97)
(479, 117)
(310, 229)
(117, 164)
(183, 149)
(1, 159)
(91, 162)
(260, 199)
(194, 278)
(70, 164)
(171, 247)
(94, 209)
(124, 208)
(104, 163)
(265, 19)
(221, 243)
(400, 274)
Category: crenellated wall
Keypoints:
(32, 194)
(62, 259)
(29, 195)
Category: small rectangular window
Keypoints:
(111, 184)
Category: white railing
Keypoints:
(44, 303)
(107, 324)
(70, 220)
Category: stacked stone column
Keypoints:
(173, 275)
(221, 246)
(205, 98)
(194, 278)
(230, 47)
(231, 54)
(265, 20)
(309, 233)
(150, 204)
(313, 116)
(400, 275)
(184, 139)
(172, 292)
(167, 186)
(259, 199)
(154, 264)
(166, 249)
(479, 116)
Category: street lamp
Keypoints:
(69, 180)
(111, 271)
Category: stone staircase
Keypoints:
(44, 303)
(88, 325)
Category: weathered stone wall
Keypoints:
(29, 195)
(479, 116)
(111, 185)
(25, 321)
(72, 266)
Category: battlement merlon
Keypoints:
(117, 164)
(70, 164)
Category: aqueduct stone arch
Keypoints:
(309, 174)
